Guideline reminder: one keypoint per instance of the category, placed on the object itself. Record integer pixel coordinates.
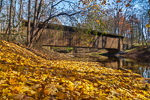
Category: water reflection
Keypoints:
(137, 67)
(145, 71)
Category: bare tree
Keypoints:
(1, 5)
(20, 15)
(10, 19)
(14, 13)
(54, 10)
(29, 25)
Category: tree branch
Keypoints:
(66, 14)
(57, 3)
(46, 21)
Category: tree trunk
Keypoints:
(42, 13)
(132, 35)
(136, 33)
(35, 35)
(20, 16)
(34, 24)
(1, 6)
(29, 23)
(139, 29)
(10, 19)
(14, 13)
(143, 37)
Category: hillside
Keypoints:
(24, 75)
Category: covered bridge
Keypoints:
(66, 36)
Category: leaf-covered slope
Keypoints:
(24, 75)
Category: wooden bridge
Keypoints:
(65, 36)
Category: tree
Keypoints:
(29, 22)
(120, 13)
(1, 5)
(103, 6)
(55, 10)
(10, 19)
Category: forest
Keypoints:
(127, 18)
(38, 61)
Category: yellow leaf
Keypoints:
(51, 90)
(118, 1)
(103, 12)
(19, 96)
(12, 81)
(128, 5)
(147, 25)
(32, 92)
(120, 10)
(5, 91)
(4, 84)
(97, 21)
(61, 95)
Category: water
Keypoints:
(114, 62)
(137, 67)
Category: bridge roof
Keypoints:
(75, 29)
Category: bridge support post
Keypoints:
(120, 63)
(102, 41)
(119, 44)
(50, 48)
(75, 50)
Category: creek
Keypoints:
(137, 67)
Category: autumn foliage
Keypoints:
(24, 75)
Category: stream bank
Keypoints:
(141, 54)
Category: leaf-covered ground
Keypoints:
(26, 76)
